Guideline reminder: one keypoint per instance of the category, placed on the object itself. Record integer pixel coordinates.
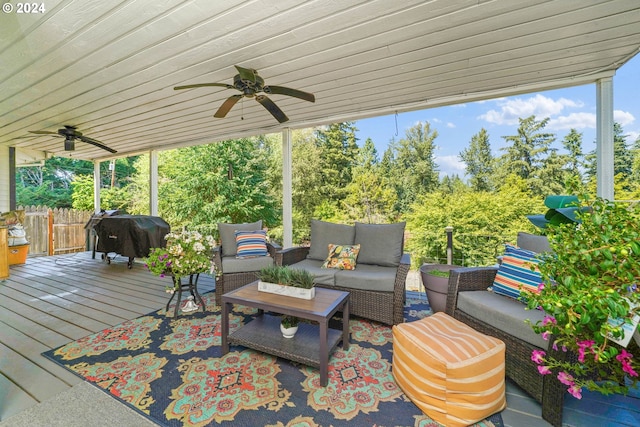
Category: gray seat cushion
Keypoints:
(380, 244)
(231, 264)
(533, 242)
(367, 277)
(323, 233)
(502, 313)
(323, 276)
(228, 235)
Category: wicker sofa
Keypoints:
(469, 301)
(377, 285)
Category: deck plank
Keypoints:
(13, 399)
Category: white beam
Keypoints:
(287, 214)
(5, 177)
(153, 182)
(96, 186)
(604, 138)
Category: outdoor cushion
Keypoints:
(251, 244)
(380, 244)
(515, 274)
(453, 373)
(533, 242)
(367, 277)
(245, 265)
(227, 234)
(503, 313)
(342, 257)
(323, 233)
(323, 276)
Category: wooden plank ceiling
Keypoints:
(109, 67)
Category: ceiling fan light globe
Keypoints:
(69, 144)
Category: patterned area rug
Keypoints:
(171, 370)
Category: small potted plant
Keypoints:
(287, 281)
(435, 278)
(289, 326)
(590, 293)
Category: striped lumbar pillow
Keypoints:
(515, 272)
(251, 244)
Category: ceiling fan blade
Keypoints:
(281, 90)
(96, 143)
(246, 73)
(203, 85)
(44, 132)
(272, 108)
(226, 106)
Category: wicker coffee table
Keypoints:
(263, 332)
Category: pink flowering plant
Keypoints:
(590, 291)
(185, 253)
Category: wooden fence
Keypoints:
(55, 231)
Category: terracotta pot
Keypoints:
(436, 286)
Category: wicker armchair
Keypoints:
(231, 272)
(546, 389)
(227, 282)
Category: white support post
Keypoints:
(96, 186)
(153, 183)
(287, 211)
(604, 138)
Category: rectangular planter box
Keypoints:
(18, 254)
(290, 291)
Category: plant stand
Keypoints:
(436, 287)
(191, 286)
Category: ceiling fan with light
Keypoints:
(70, 134)
(251, 84)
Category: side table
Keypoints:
(179, 287)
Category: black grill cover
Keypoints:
(131, 235)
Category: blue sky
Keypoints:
(567, 108)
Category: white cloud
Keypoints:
(573, 121)
(451, 125)
(623, 117)
(587, 120)
(450, 165)
(511, 109)
(632, 136)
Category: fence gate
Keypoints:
(55, 231)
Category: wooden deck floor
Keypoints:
(53, 300)
(50, 301)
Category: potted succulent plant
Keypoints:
(435, 278)
(591, 297)
(283, 280)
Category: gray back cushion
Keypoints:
(323, 233)
(380, 244)
(228, 235)
(533, 242)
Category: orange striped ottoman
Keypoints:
(452, 372)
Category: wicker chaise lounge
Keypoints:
(377, 285)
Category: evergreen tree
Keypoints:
(479, 161)
(369, 198)
(411, 163)
(526, 153)
(338, 146)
